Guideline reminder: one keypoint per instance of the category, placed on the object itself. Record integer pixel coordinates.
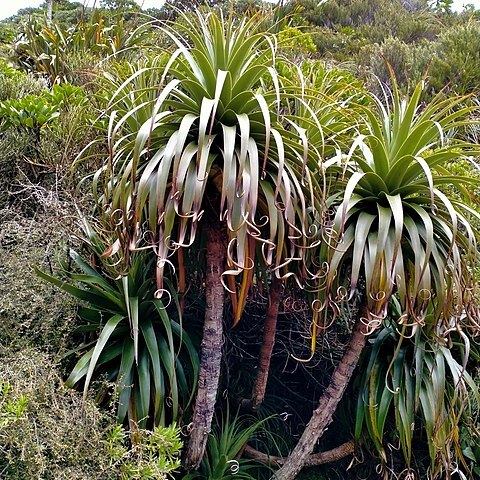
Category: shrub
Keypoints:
(15, 84)
(296, 41)
(48, 432)
(12, 145)
(153, 455)
(53, 125)
(457, 60)
(409, 62)
(375, 20)
(32, 312)
(339, 44)
(31, 113)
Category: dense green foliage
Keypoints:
(150, 358)
(47, 431)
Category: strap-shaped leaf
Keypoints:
(151, 342)
(107, 331)
(125, 379)
(93, 299)
(144, 381)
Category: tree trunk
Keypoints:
(269, 330)
(322, 416)
(211, 349)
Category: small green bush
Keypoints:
(11, 409)
(13, 146)
(48, 432)
(15, 84)
(33, 312)
(409, 62)
(42, 132)
(30, 113)
(457, 60)
(153, 455)
(452, 61)
(340, 44)
(296, 41)
(374, 20)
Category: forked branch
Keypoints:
(328, 403)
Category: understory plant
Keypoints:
(135, 339)
(46, 431)
(31, 113)
(44, 318)
(154, 454)
(417, 381)
(38, 118)
(222, 460)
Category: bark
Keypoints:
(312, 460)
(269, 330)
(211, 349)
(322, 416)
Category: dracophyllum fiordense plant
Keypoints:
(396, 233)
(203, 151)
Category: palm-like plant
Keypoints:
(225, 445)
(42, 48)
(395, 233)
(209, 149)
(138, 343)
(210, 104)
(422, 378)
(45, 48)
(394, 224)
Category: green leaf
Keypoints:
(107, 331)
(125, 379)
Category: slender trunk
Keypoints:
(211, 350)
(269, 330)
(322, 416)
(312, 460)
